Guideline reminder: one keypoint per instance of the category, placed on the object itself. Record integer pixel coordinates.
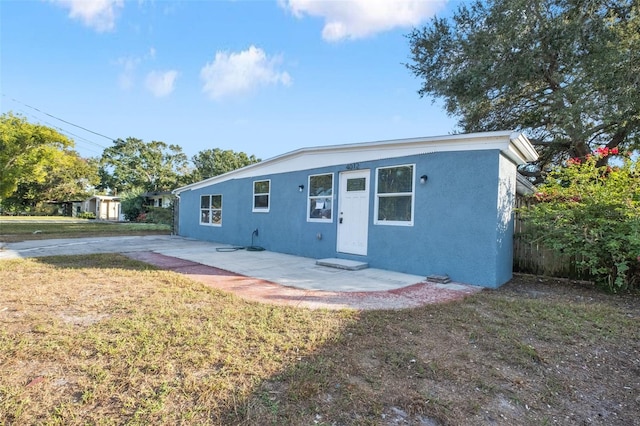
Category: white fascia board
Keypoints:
(514, 145)
(521, 150)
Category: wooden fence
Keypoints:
(534, 258)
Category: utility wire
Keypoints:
(57, 118)
(76, 138)
(79, 139)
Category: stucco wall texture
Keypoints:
(462, 225)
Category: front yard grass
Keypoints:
(19, 228)
(103, 339)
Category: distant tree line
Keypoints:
(39, 165)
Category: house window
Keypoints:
(211, 210)
(394, 195)
(320, 199)
(261, 191)
(356, 184)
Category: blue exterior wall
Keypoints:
(462, 223)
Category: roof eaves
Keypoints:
(515, 145)
(523, 185)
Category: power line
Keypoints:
(57, 118)
(76, 137)
(79, 139)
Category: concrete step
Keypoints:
(349, 265)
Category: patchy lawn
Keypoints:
(14, 229)
(103, 339)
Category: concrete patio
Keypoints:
(259, 275)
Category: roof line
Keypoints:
(518, 149)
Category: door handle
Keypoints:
(340, 220)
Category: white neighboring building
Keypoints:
(159, 199)
(105, 207)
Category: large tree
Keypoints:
(133, 163)
(69, 178)
(214, 162)
(27, 151)
(567, 72)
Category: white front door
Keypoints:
(353, 214)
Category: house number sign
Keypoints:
(353, 166)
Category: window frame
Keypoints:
(210, 210)
(268, 194)
(311, 197)
(378, 195)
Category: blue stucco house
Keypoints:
(426, 206)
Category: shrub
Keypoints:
(592, 212)
(159, 215)
(132, 204)
(86, 215)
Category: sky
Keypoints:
(263, 77)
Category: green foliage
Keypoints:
(27, 151)
(592, 212)
(566, 72)
(158, 215)
(132, 204)
(214, 162)
(133, 163)
(86, 215)
(38, 166)
(69, 178)
(134, 207)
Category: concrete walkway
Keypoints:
(259, 275)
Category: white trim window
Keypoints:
(261, 195)
(211, 210)
(320, 199)
(395, 195)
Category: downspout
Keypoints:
(175, 229)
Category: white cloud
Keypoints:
(241, 72)
(97, 14)
(126, 77)
(129, 65)
(354, 19)
(161, 83)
